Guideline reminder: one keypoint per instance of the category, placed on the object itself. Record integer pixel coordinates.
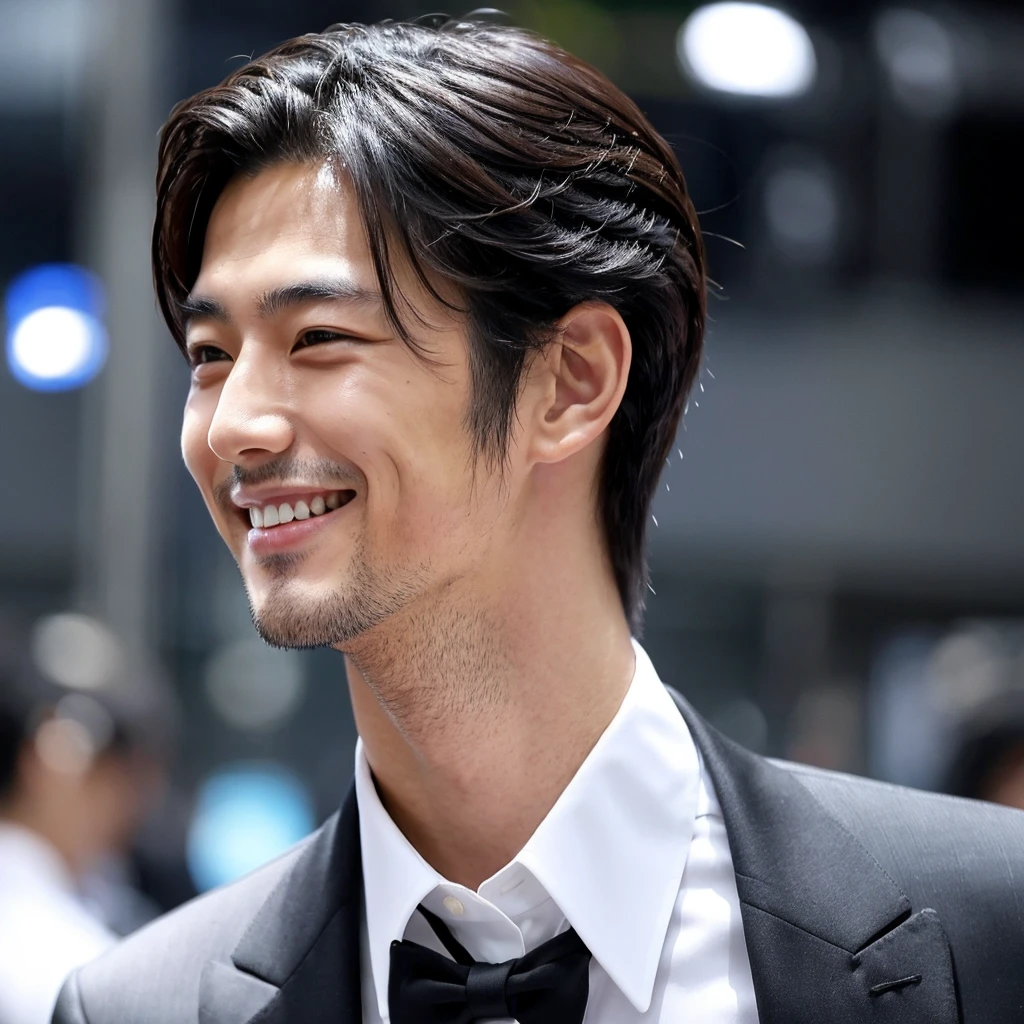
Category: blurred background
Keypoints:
(837, 547)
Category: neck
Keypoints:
(476, 713)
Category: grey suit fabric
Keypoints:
(861, 902)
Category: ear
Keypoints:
(578, 382)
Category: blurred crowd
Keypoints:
(86, 733)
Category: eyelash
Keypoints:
(324, 335)
(198, 356)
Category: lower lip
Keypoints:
(285, 537)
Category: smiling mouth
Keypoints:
(273, 514)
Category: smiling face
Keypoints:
(335, 462)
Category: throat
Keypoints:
(468, 779)
(473, 721)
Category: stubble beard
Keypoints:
(438, 661)
(290, 619)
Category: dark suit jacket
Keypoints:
(861, 902)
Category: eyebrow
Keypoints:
(274, 301)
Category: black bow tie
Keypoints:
(547, 986)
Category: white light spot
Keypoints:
(64, 746)
(76, 651)
(801, 208)
(748, 49)
(56, 346)
(253, 687)
(917, 52)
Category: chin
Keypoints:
(296, 616)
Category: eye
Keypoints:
(321, 336)
(199, 355)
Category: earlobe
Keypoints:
(586, 368)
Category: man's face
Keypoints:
(334, 461)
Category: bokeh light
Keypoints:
(253, 687)
(55, 335)
(747, 49)
(245, 815)
(76, 650)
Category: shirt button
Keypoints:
(453, 906)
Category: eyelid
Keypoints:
(327, 335)
(195, 350)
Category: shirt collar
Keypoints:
(395, 877)
(610, 853)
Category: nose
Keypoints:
(252, 418)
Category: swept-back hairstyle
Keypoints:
(498, 161)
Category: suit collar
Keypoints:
(785, 847)
(830, 936)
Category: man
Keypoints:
(988, 755)
(442, 290)
(76, 766)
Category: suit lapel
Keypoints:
(299, 958)
(830, 936)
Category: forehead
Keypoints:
(281, 219)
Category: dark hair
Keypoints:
(501, 163)
(986, 741)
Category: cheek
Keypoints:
(195, 448)
(408, 438)
(439, 513)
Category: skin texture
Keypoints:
(485, 642)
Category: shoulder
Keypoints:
(882, 810)
(965, 858)
(152, 977)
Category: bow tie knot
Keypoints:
(485, 990)
(547, 986)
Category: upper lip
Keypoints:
(255, 497)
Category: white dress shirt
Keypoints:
(45, 931)
(633, 855)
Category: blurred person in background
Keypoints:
(442, 290)
(988, 759)
(79, 767)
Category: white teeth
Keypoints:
(272, 515)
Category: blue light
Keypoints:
(55, 334)
(245, 816)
